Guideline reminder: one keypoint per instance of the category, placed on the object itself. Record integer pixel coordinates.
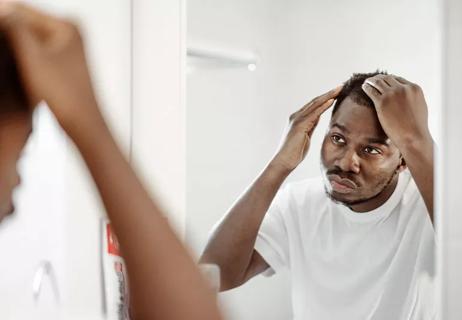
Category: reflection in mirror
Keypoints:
(314, 208)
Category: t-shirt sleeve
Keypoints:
(272, 239)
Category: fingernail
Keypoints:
(337, 88)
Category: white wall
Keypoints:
(235, 117)
(158, 134)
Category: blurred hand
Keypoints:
(302, 123)
(51, 60)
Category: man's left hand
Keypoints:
(401, 109)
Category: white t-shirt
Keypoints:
(348, 265)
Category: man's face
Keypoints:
(15, 128)
(358, 159)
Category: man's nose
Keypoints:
(349, 161)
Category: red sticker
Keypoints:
(112, 243)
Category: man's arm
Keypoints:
(419, 159)
(231, 246)
(164, 281)
(403, 114)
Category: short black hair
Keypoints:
(352, 89)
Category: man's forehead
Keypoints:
(359, 120)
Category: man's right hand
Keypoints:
(51, 60)
(302, 123)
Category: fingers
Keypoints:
(322, 108)
(402, 80)
(318, 102)
(371, 91)
(379, 83)
(308, 117)
(375, 87)
(312, 119)
(381, 87)
(313, 126)
(391, 80)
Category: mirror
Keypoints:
(250, 65)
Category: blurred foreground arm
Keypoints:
(164, 281)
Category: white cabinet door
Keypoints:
(32, 238)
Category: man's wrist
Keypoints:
(277, 169)
(84, 124)
(417, 146)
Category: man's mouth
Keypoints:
(341, 185)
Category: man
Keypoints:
(164, 282)
(359, 240)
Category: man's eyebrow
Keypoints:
(343, 128)
(383, 141)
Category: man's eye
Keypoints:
(336, 139)
(372, 150)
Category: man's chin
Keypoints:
(340, 199)
(345, 199)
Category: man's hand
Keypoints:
(51, 60)
(401, 109)
(301, 126)
(403, 114)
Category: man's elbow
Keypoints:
(229, 278)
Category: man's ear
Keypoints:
(402, 164)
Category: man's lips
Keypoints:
(341, 185)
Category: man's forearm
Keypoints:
(419, 159)
(165, 283)
(232, 242)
